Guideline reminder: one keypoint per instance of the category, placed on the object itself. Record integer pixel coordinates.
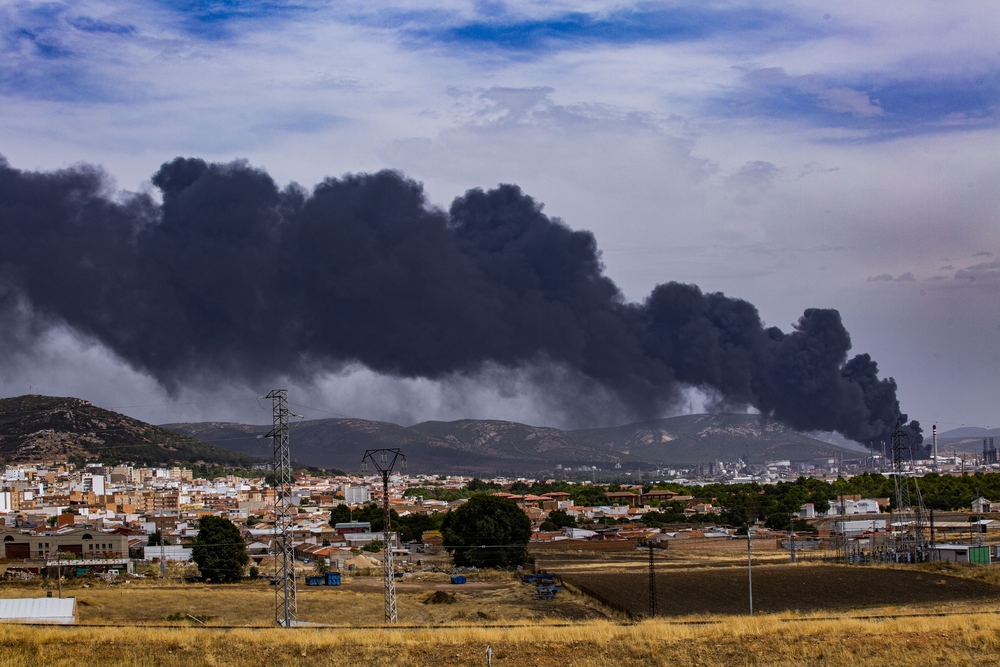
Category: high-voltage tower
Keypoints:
(285, 605)
(907, 517)
(384, 460)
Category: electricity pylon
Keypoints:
(285, 604)
(384, 460)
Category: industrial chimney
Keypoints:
(934, 436)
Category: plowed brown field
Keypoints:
(777, 588)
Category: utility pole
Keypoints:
(58, 572)
(652, 581)
(382, 463)
(285, 603)
(749, 569)
(791, 536)
(842, 541)
(979, 519)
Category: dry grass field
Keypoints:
(780, 588)
(130, 627)
(785, 640)
(359, 602)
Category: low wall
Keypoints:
(583, 545)
(719, 544)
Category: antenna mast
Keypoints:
(285, 605)
(384, 460)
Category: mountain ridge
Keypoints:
(490, 445)
(34, 427)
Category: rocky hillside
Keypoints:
(36, 428)
(486, 446)
(694, 438)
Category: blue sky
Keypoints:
(791, 153)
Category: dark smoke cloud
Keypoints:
(234, 277)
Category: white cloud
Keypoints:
(845, 100)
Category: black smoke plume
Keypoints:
(232, 276)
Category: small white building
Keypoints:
(357, 495)
(852, 506)
(578, 533)
(981, 505)
(355, 540)
(169, 552)
(93, 484)
(38, 610)
(855, 528)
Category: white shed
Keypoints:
(38, 610)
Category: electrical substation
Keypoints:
(905, 539)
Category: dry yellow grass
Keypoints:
(359, 603)
(772, 640)
(498, 613)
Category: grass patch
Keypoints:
(763, 640)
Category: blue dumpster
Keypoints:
(333, 578)
(314, 580)
(458, 579)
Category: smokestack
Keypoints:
(934, 436)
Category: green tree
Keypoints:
(477, 485)
(520, 488)
(340, 514)
(219, 550)
(374, 546)
(561, 519)
(412, 526)
(487, 531)
(588, 495)
(375, 515)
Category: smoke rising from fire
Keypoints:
(232, 276)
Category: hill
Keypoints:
(340, 444)
(486, 446)
(969, 432)
(968, 439)
(34, 428)
(688, 439)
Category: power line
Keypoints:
(162, 405)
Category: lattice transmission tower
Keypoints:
(285, 604)
(908, 516)
(384, 460)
